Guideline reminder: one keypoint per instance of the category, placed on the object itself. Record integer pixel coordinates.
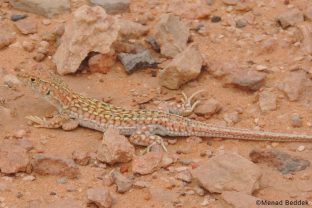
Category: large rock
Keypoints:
(290, 17)
(89, 27)
(13, 157)
(228, 172)
(246, 79)
(293, 84)
(184, 67)
(100, 197)
(115, 148)
(171, 34)
(52, 165)
(7, 35)
(113, 6)
(241, 200)
(306, 31)
(46, 8)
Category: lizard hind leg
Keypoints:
(144, 137)
(188, 105)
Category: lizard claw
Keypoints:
(187, 106)
(38, 122)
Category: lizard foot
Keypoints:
(187, 106)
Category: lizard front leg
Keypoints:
(144, 137)
(57, 121)
(187, 106)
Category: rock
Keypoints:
(185, 176)
(284, 162)
(11, 80)
(113, 6)
(267, 100)
(7, 35)
(296, 120)
(147, 163)
(100, 197)
(132, 62)
(81, 157)
(42, 7)
(231, 118)
(171, 34)
(292, 84)
(52, 165)
(246, 79)
(306, 30)
(130, 29)
(13, 157)
(208, 107)
(17, 17)
(115, 148)
(241, 22)
(101, 30)
(28, 46)
(231, 2)
(26, 26)
(290, 17)
(185, 67)
(240, 200)
(215, 19)
(228, 172)
(123, 183)
(152, 41)
(29, 178)
(308, 13)
(101, 63)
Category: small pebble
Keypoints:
(215, 19)
(301, 148)
(29, 178)
(296, 120)
(61, 180)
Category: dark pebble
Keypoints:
(16, 17)
(215, 19)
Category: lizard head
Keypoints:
(52, 89)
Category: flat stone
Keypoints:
(267, 100)
(228, 172)
(290, 17)
(100, 197)
(13, 157)
(113, 6)
(185, 67)
(101, 30)
(7, 35)
(240, 200)
(247, 79)
(171, 34)
(130, 29)
(208, 107)
(284, 162)
(53, 165)
(292, 85)
(123, 183)
(115, 148)
(46, 8)
(132, 62)
(26, 26)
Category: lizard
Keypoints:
(144, 127)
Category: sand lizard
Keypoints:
(145, 127)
